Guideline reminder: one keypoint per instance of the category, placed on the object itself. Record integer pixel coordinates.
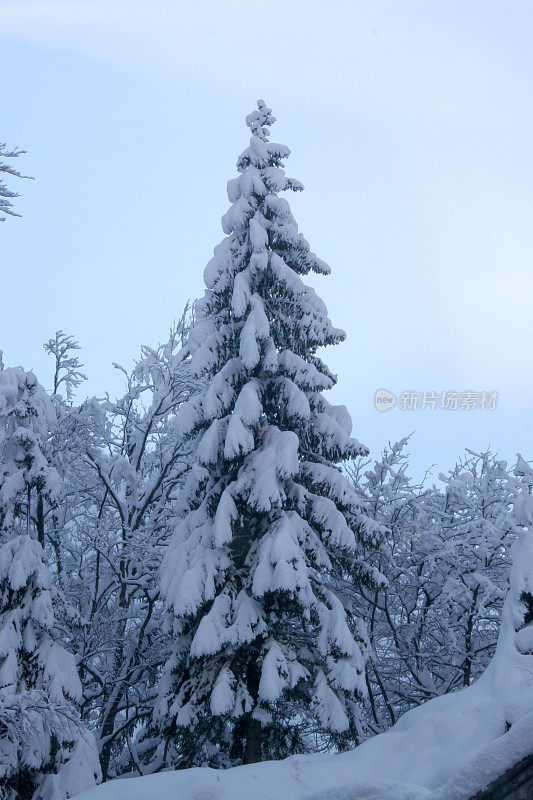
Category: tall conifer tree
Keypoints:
(266, 650)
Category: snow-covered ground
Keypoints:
(447, 749)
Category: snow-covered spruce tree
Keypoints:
(26, 476)
(265, 649)
(45, 751)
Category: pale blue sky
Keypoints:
(410, 125)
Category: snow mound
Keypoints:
(447, 749)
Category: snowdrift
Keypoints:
(447, 749)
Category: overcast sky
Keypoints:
(410, 124)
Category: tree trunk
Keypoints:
(253, 741)
(40, 519)
(111, 708)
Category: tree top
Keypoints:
(259, 118)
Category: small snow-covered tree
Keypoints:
(45, 751)
(26, 475)
(521, 594)
(265, 647)
(514, 653)
(67, 365)
(523, 505)
(7, 194)
(70, 430)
